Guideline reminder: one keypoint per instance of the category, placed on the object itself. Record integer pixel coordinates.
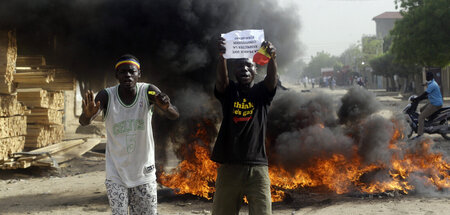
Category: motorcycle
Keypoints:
(437, 123)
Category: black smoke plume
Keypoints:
(175, 41)
(291, 111)
(357, 104)
(296, 149)
(373, 140)
(304, 128)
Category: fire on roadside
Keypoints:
(339, 174)
(196, 174)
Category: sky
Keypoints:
(333, 25)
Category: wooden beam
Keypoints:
(45, 116)
(30, 61)
(69, 153)
(43, 135)
(8, 58)
(9, 106)
(60, 146)
(10, 145)
(13, 126)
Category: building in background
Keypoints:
(385, 23)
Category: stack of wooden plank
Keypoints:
(56, 100)
(9, 106)
(45, 77)
(13, 126)
(39, 135)
(34, 77)
(10, 145)
(8, 57)
(34, 98)
(45, 118)
(64, 80)
(32, 62)
(39, 98)
(33, 72)
(27, 81)
(39, 91)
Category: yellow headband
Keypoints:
(128, 61)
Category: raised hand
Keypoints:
(90, 107)
(271, 79)
(162, 100)
(221, 46)
(270, 48)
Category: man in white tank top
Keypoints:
(130, 149)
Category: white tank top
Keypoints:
(130, 149)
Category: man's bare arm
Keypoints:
(222, 80)
(271, 79)
(162, 102)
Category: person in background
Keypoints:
(433, 93)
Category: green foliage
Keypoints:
(408, 4)
(387, 42)
(386, 66)
(423, 35)
(351, 56)
(371, 47)
(321, 60)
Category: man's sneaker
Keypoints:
(416, 137)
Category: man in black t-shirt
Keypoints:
(240, 146)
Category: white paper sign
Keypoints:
(242, 44)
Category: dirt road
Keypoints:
(85, 194)
(78, 188)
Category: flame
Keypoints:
(397, 136)
(337, 173)
(430, 167)
(195, 175)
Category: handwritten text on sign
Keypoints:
(242, 44)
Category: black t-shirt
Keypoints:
(242, 132)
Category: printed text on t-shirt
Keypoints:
(242, 111)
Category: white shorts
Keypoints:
(137, 200)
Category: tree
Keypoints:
(351, 56)
(387, 43)
(321, 60)
(385, 65)
(423, 35)
(371, 47)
